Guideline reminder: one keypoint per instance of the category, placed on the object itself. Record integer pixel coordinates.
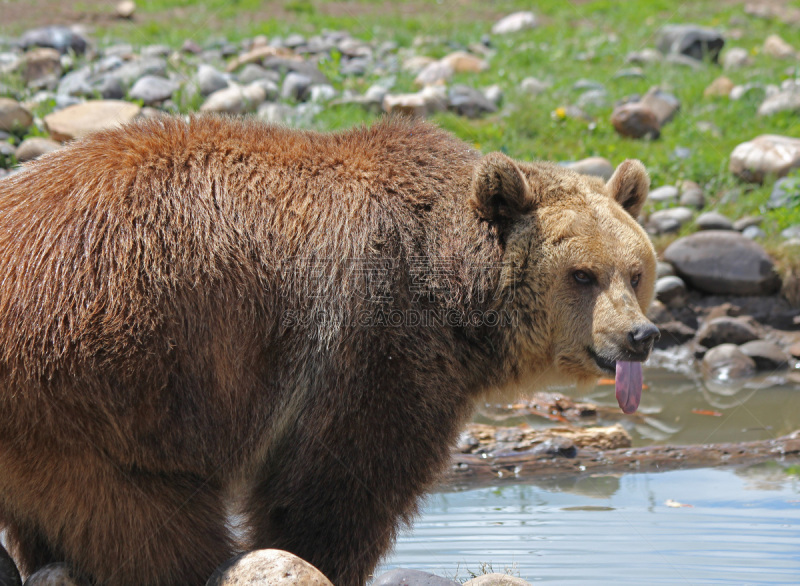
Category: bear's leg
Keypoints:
(119, 527)
(337, 486)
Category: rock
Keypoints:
(754, 233)
(785, 193)
(790, 233)
(494, 93)
(130, 71)
(766, 155)
(644, 57)
(125, 9)
(496, 580)
(693, 41)
(794, 350)
(254, 72)
(417, 63)
(403, 577)
(515, 22)
(746, 222)
(783, 101)
(533, 86)
(259, 55)
(61, 38)
(462, 62)
(110, 88)
(594, 166)
(766, 355)
(692, 195)
(736, 58)
(81, 119)
(423, 103)
(9, 575)
(57, 574)
(276, 113)
(664, 104)
(723, 262)
(720, 87)
(740, 91)
(629, 73)
(669, 220)
(664, 269)
(152, 89)
(713, 221)
(209, 80)
(321, 93)
(267, 567)
(664, 194)
(235, 99)
(671, 291)
(13, 116)
(469, 102)
(774, 46)
(634, 120)
(35, 147)
(726, 363)
(296, 86)
(41, 68)
(585, 85)
(673, 333)
(658, 313)
(726, 330)
(437, 73)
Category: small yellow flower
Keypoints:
(754, 51)
(477, 146)
(560, 113)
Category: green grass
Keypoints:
(575, 40)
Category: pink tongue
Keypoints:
(629, 385)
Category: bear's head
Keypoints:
(578, 272)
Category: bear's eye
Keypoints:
(635, 281)
(583, 277)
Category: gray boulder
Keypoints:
(726, 330)
(723, 262)
(61, 38)
(766, 355)
(693, 41)
(727, 363)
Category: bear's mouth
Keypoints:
(604, 364)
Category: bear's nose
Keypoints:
(643, 336)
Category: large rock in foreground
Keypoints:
(267, 567)
(765, 155)
(81, 119)
(723, 262)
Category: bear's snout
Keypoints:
(642, 337)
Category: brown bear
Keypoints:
(213, 320)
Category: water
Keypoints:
(743, 525)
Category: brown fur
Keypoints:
(150, 367)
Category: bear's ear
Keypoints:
(629, 186)
(499, 189)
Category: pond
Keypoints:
(702, 526)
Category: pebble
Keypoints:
(726, 330)
(125, 9)
(321, 93)
(61, 38)
(404, 577)
(775, 46)
(152, 89)
(692, 195)
(664, 269)
(130, 71)
(41, 68)
(785, 193)
(423, 103)
(723, 262)
(766, 355)
(664, 194)
(630, 73)
(727, 363)
(254, 72)
(754, 233)
(518, 21)
(765, 155)
(463, 62)
(494, 93)
(81, 119)
(713, 221)
(671, 291)
(736, 58)
(436, 73)
(34, 147)
(469, 102)
(668, 221)
(783, 101)
(635, 120)
(235, 99)
(593, 166)
(791, 232)
(210, 80)
(534, 86)
(296, 86)
(14, 117)
(269, 567)
(720, 87)
(699, 43)
(746, 222)
(664, 104)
